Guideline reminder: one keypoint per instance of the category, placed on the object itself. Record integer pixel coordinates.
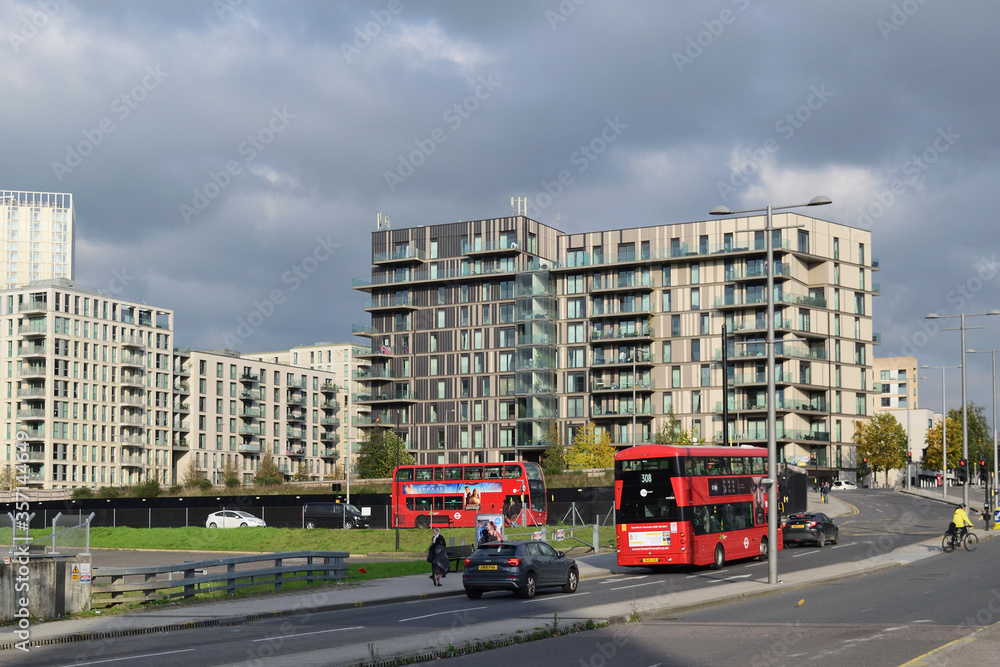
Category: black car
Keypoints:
(521, 566)
(809, 527)
(333, 515)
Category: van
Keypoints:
(333, 515)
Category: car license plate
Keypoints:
(487, 567)
(798, 525)
(650, 560)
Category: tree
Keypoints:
(882, 441)
(8, 478)
(378, 452)
(669, 430)
(230, 473)
(192, 476)
(932, 454)
(268, 473)
(554, 456)
(590, 450)
(301, 473)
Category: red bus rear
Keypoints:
(690, 505)
(452, 494)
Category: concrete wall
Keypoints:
(52, 586)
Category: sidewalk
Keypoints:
(415, 587)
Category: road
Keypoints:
(857, 617)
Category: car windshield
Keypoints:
(352, 509)
(246, 515)
(495, 550)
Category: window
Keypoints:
(695, 273)
(666, 276)
(836, 248)
(675, 325)
(675, 376)
(506, 337)
(575, 357)
(666, 301)
(706, 375)
(668, 403)
(666, 352)
(705, 323)
(574, 407)
(626, 252)
(803, 240)
(575, 309)
(575, 284)
(695, 298)
(695, 350)
(574, 333)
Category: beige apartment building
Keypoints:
(230, 409)
(484, 332)
(38, 239)
(349, 364)
(88, 386)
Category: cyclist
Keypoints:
(961, 523)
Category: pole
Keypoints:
(635, 353)
(908, 450)
(944, 440)
(990, 501)
(396, 497)
(772, 443)
(347, 452)
(725, 390)
(965, 422)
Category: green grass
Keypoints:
(265, 540)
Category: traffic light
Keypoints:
(864, 460)
(909, 456)
(982, 463)
(961, 464)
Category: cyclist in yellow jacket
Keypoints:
(961, 521)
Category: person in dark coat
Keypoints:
(437, 556)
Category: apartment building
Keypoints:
(88, 386)
(38, 239)
(484, 332)
(348, 364)
(228, 410)
(896, 392)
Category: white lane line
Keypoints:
(692, 576)
(620, 579)
(131, 657)
(648, 583)
(576, 595)
(303, 634)
(806, 553)
(733, 578)
(442, 613)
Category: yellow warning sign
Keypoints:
(76, 572)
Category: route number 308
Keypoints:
(646, 478)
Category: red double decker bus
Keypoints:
(690, 505)
(452, 494)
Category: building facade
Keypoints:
(38, 240)
(88, 386)
(229, 411)
(484, 333)
(349, 364)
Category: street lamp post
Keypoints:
(965, 403)
(397, 444)
(944, 433)
(993, 485)
(772, 445)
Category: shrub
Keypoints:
(148, 489)
(82, 493)
(109, 492)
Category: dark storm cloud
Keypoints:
(225, 138)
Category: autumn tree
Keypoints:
(378, 454)
(669, 431)
(554, 456)
(590, 450)
(301, 473)
(882, 441)
(230, 473)
(932, 454)
(268, 473)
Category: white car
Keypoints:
(843, 485)
(232, 519)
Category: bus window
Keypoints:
(452, 474)
(492, 472)
(418, 504)
(737, 465)
(423, 474)
(717, 465)
(404, 475)
(473, 472)
(438, 474)
(453, 502)
(512, 471)
(438, 503)
(759, 465)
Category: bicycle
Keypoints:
(951, 541)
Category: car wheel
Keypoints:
(473, 593)
(821, 542)
(422, 522)
(720, 558)
(243, 525)
(530, 585)
(213, 525)
(763, 549)
(310, 525)
(572, 581)
(836, 537)
(348, 524)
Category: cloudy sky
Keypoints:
(229, 157)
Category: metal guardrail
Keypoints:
(111, 588)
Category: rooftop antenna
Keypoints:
(382, 221)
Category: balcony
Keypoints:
(134, 379)
(295, 452)
(330, 421)
(27, 371)
(623, 359)
(31, 414)
(616, 283)
(296, 433)
(182, 407)
(296, 384)
(133, 441)
(33, 305)
(251, 395)
(132, 360)
(133, 400)
(32, 350)
(406, 302)
(610, 387)
(251, 429)
(35, 455)
(402, 254)
(134, 341)
(616, 412)
(181, 444)
(248, 448)
(296, 416)
(329, 438)
(251, 412)
(33, 330)
(296, 399)
(329, 453)
(328, 387)
(371, 374)
(250, 378)
(619, 333)
(133, 462)
(332, 406)
(31, 391)
(400, 396)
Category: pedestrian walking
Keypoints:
(437, 556)
(825, 492)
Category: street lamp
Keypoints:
(965, 404)
(993, 486)
(944, 433)
(772, 445)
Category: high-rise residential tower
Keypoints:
(38, 237)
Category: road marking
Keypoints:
(648, 583)
(806, 553)
(442, 613)
(132, 657)
(732, 578)
(304, 634)
(692, 576)
(620, 579)
(543, 599)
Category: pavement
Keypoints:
(978, 648)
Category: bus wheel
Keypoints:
(422, 522)
(720, 558)
(763, 549)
